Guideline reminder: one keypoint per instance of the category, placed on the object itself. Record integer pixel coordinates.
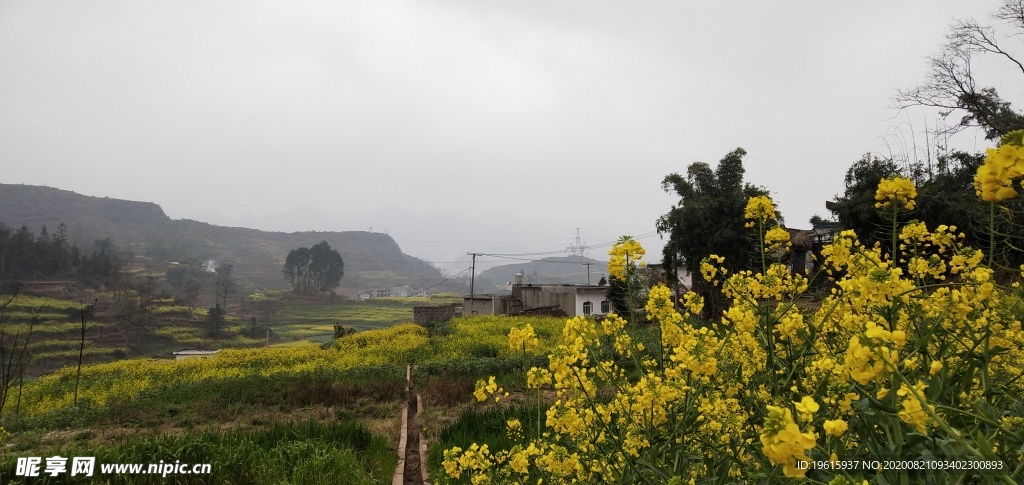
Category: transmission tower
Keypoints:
(577, 247)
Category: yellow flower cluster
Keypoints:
(537, 378)
(896, 192)
(806, 408)
(835, 427)
(995, 179)
(759, 209)
(711, 266)
(475, 459)
(912, 412)
(784, 443)
(776, 240)
(776, 282)
(523, 338)
(625, 254)
(488, 389)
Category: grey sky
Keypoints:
(456, 125)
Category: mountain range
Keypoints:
(372, 259)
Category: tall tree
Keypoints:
(133, 299)
(856, 208)
(327, 267)
(951, 85)
(190, 295)
(296, 268)
(708, 219)
(225, 283)
(319, 268)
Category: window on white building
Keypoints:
(588, 308)
(606, 307)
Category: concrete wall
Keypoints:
(532, 296)
(424, 315)
(485, 305)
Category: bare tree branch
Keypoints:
(951, 86)
(968, 35)
(1012, 12)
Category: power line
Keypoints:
(562, 251)
(543, 261)
(443, 282)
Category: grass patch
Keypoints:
(72, 353)
(298, 453)
(315, 321)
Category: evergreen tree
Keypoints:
(708, 219)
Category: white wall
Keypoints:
(595, 296)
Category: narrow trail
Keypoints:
(411, 470)
(412, 444)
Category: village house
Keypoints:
(570, 300)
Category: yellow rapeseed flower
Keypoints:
(994, 179)
(784, 443)
(625, 253)
(835, 427)
(806, 407)
(759, 209)
(913, 413)
(776, 239)
(523, 339)
(897, 191)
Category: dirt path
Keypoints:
(411, 469)
(412, 444)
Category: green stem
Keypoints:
(957, 436)
(895, 218)
(760, 240)
(991, 233)
(538, 413)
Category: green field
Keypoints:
(314, 321)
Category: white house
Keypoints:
(573, 300)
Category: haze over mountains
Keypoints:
(371, 258)
(442, 235)
(556, 269)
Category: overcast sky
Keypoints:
(458, 126)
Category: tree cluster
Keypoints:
(134, 296)
(946, 193)
(25, 256)
(318, 268)
(944, 196)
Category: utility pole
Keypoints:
(588, 273)
(472, 279)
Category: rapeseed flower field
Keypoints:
(124, 380)
(909, 371)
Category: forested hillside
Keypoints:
(142, 228)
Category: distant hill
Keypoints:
(559, 269)
(371, 259)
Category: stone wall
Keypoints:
(424, 315)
